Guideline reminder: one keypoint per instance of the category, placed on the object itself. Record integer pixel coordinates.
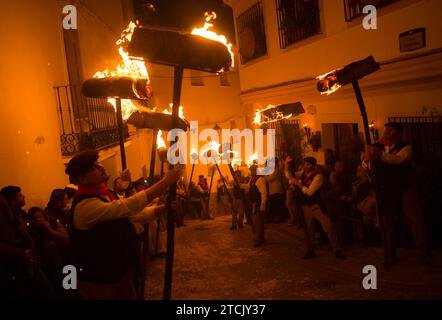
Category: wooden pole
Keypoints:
(363, 110)
(121, 133)
(177, 82)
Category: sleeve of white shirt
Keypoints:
(261, 185)
(144, 216)
(317, 182)
(404, 155)
(92, 211)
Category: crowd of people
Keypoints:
(334, 202)
(98, 230)
(105, 233)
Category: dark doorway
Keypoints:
(344, 140)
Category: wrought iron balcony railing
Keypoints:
(85, 123)
(297, 20)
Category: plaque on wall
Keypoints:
(412, 40)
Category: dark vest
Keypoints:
(254, 194)
(316, 197)
(391, 179)
(104, 253)
(238, 193)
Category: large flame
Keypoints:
(209, 34)
(261, 118)
(161, 144)
(130, 67)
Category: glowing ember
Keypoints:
(206, 33)
(161, 144)
(329, 82)
(261, 118)
(253, 159)
(130, 67)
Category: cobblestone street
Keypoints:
(213, 262)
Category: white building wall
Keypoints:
(401, 88)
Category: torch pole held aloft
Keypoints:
(191, 174)
(363, 110)
(364, 116)
(121, 133)
(153, 154)
(177, 82)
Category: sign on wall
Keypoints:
(412, 40)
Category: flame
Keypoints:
(335, 86)
(130, 67)
(252, 159)
(180, 111)
(278, 116)
(236, 162)
(206, 33)
(257, 119)
(161, 144)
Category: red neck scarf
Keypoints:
(389, 143)
(102, 190)
(307, 178)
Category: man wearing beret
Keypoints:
(102, 235)
(396, 192)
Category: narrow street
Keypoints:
(213, 262)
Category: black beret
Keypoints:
(81, 164)
(395, 125)
(311, 160)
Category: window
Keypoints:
(297, 20)
(251, 34)
(353, 8)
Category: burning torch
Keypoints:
(204, 51)
(331, 82)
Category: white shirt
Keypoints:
(317, 182)
(402, 156)
(91, 211)
(275, 182)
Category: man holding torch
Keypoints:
(308, 183)
(397, 191)
(102, 236)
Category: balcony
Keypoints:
(353, 8)
(85, 123)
